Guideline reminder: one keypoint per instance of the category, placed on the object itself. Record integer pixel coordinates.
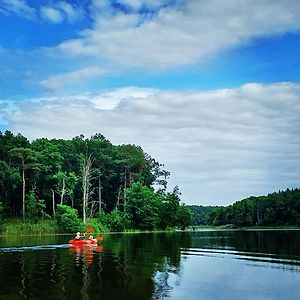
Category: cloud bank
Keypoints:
(178, 33)
(54, 12)
(220, 145)
(127, 35)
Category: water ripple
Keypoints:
(33, 248)
(246, 256)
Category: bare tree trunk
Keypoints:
(119, 197)
(86, 185)
(63, 191)
(100, 193)
(92, 209)
(23, 193)
(125, 185)
(53, 203)
(85, 192)
(258, 213)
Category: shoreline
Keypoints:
(210, 229)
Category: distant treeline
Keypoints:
(276, 209)
(86, 178)
(200, 214)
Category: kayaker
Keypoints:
(92, 238)
(78, 236)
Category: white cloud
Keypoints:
(61, 11)
(72, 13)
(6, 107)
(60, 81)
(181, 33)
(18, 7)
(147, 4)
(58, 12)
(111, 99)
(219, 145)
(51, 14)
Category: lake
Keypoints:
(180, 265)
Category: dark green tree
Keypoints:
(9, 181)
(184, 217)
(142, 207)
(169, 209)
(26, 159)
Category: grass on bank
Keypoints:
(19, 227)
(10, 227)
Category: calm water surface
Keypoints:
(197, 265)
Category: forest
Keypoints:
(280, 208)
(90, 180)
(84, 180)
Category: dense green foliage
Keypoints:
(200, 214)
(53, 168)
(67, 219)
(184, 217)
(116, 221)
(113, 222)
(146, 209)
(83, 178)
(34, 207)
(142, 207)
(277, 209)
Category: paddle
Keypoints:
(89, 229)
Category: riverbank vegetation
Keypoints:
(72, 183)
(56, 185)
(277, 209)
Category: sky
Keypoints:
(209, 88)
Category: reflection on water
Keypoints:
(197, 265)
(85, 252)
(254, 259)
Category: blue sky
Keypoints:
(216, 80)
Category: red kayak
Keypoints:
(82, 242)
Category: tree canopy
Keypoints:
(90, 175)
(275, 209)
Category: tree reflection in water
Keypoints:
(134, 266)
(85, 252)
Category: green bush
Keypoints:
(34, 207)
(96, 224)
(67, 219)
(103, 221)
(116, 221)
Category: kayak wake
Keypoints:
(34, 248)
